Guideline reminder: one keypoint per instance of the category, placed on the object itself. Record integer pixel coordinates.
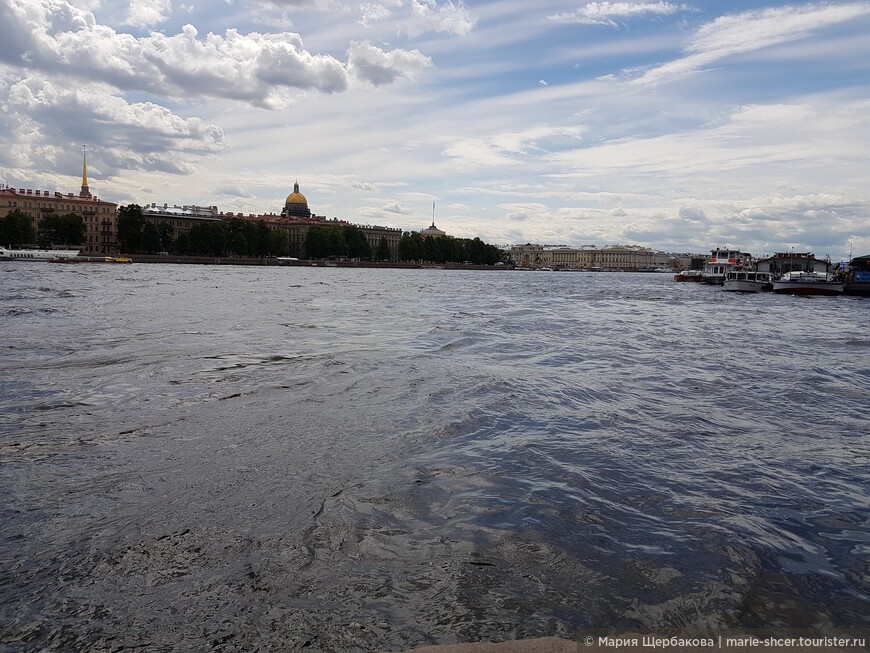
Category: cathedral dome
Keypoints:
(296, 197)
(296, 205)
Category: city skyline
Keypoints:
(678, 126)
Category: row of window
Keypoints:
(69, 208)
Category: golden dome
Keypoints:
(296, 197)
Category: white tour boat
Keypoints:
(7, 254)
(748, 281)
(808, 283)
(722, 261)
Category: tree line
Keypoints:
(236, 237)
(233, 237)
(444, 249)
(16, 229)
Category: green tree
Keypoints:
(208, 238)
(411, 247)
(356, 245)
(17, 229)
(131, 222)
(182, 244)
(382, 253)
(262, 239)
(279, 242)
(67, 229)
(431, 251)
(165, 232)
(322, 242)
(150, 241)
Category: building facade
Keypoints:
(589, 257)
(180, 219)
(99, 217)
(296, 219)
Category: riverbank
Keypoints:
(237, 260)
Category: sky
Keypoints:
(680, 126)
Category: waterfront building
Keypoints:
(296, 206)
(99, 217)
(527, 256)
(783, 262)
(180, 219)
(295, 218)
(432, 231)
(590, 257)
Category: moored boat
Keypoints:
(688, 275)
(722, 261)
(858, 277)
(808, 283)
(7, 254)
(748, 281)
(92, 259)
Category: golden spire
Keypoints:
(85, 190)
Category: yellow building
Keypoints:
(100, 218)
(296, 218)
(589, 257)
(432, 231)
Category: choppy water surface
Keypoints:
(198, 458)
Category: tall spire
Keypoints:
(85, 190)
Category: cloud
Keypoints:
(375, 66)
(607, 13)
(397, 208)
(54, 37)
(146, 13)
(137, 135)
(749, 31)
(449, 17)
(507, 148)
(373, 12)
(416, 17)
(232, 191)
(693, 214)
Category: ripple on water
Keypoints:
(300, 458)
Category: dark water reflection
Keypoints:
(200, 458)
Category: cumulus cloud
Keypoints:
(397, 208)
(607, 13)
(371, 64)
(136, 135)
(55, 37)
(449, 17)
(373, 12)
(146, 13)
(692, 214)
(749, 31)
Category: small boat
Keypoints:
(808, 283)
(858, 277)
(92, 259)
(688, 275)
(723, 260)
(7, 254)
(748, 281)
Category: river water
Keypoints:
(238, 459)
